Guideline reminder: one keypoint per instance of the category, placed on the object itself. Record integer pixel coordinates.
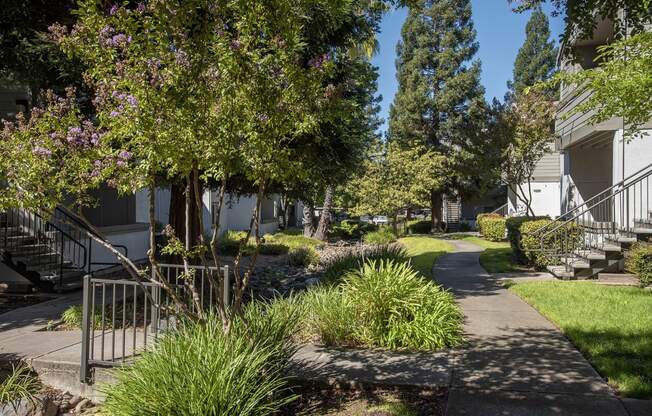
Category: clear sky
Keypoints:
(501, 33)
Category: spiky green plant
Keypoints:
(385, 304)
(19, 386)
(201, 370)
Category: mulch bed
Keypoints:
(366, 400)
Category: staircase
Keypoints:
(52, 251)
(593, 237)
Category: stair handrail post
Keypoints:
(86, 328)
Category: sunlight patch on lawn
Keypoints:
(424, 251)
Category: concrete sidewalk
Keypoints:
(516, 362)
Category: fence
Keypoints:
(121, 318)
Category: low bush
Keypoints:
(336, 263)
(385, 235)
(480, 218)
(273, 249)
(229, 243)
(420, 227)
(71, 318)
(384, 304)
(352, 229)
(493, 228)
(513, 226)
(201, 370)
(639, 262)
(538, 254)
(303, 256)
(19, 386)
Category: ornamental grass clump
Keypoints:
(385, 304)
(336, 263)
(19, 386)
(384, 235)
(201, 370)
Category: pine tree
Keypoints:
(439, 98)
(536, 60)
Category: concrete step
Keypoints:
(29, 249)
(607, 247)
(71, 280)
(620, 239)
(11, 231)
(560, 272)
(576, 262)
(30, 261)
(618, 279)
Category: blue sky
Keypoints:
(500, 33)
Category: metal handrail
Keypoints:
(611, 196)
(599, 195)
(500, 208)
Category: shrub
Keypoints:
(420, 227)
(303, 256)
(639, 262)
(513, 225)
(201, 370)
(352, 229)
(272, 249)
(538, 254)
(289, 239)
(480, 218)
(336, 263)
(19, 386)
(229, 243)
(385, 304)
(493, 228)
(385, 235)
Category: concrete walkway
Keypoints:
(516, 362)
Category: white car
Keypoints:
(380, 219)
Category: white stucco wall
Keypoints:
(135, 238)
(638, 155)
(546, 198)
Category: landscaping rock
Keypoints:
(82, 405)
(42, 406)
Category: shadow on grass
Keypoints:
(423, 262)
(500, 260)
(624, 359)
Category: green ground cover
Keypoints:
(611, 326)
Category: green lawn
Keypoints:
(497, 257)
(291, 239)
(612, 326)
(424, 250)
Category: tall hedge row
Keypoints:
(529, 248)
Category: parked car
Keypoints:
(380, 219)
(366, 218)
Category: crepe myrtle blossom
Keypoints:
(141, 7)
(113, 10)
(236, 44)
(124, 155)
(181, 58)
(41, 151)
(57, 32)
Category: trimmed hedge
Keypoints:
(420, 227)
(352, 229)
(491, 226)
(639, 262)
(531, 245)
(513, 225)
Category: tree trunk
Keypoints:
(408, 214)
(308, 227)
(436, 207)
(395, 224)
(325, 219)
(178, 216)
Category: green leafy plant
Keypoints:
(303, 256)
(352, 229)
(639, 262)
(384, 235)
(513, 225)
(479, 219)
(492, 228)
(19, 385)
(202, 370)
(385, 304)
(419, 227)
(538, 253)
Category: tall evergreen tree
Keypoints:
(439, 99)
(536, 60)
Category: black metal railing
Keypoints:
(49, 244)
(43, 247)
(592, 230)
(121, 318)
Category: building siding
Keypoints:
(547, 169)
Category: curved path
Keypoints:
(515, 362)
